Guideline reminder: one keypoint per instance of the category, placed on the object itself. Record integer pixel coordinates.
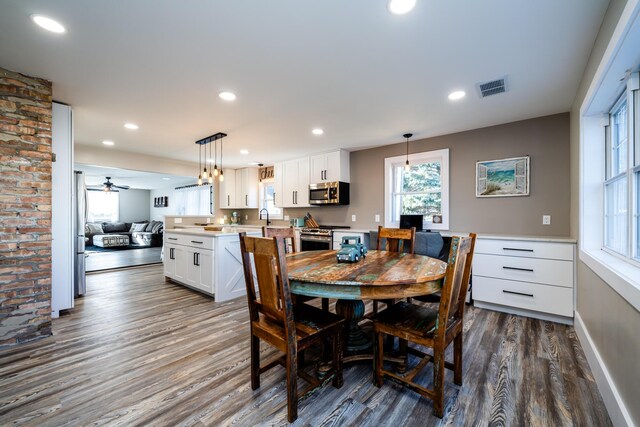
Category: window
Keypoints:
(103, 206)
(194, 200)
(423, 189)
(267, 199)
(621, 181)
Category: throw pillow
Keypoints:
(157, 227)
(150, 226)
(138, 226)
(114, 227)
(94, 228)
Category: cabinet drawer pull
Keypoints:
(197, 262)
(171, 253)
(517, 268)
(228, 200)
(517, 293)
(517, 249)
(172, 238)
(195, 241)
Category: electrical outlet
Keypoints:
(177, 220)
(353, 218)
(225, 218)
(377, 218)
(208, 220)
(546, 219)
(246, 217)
(286, 217)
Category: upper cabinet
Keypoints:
(246, 188)
(239, 190)
(329, 167)
(227, 190)
(295, 183)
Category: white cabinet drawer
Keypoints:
(203, 242)
(527, 249)
(546, 271)
(529, 296)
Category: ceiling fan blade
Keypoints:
(122, 187)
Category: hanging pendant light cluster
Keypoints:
(407, 167)
(208, 175)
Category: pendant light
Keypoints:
(199, 164)
(221, 172)
(210, 176)
(215, 158)
(407, 167)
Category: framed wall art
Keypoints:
(503, 178)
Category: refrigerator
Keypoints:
(79, 222)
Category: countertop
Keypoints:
(226, 231)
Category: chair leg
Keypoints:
(438, 382)
(404, 353)
(338, 381)
(301, 360)
(375, 307)
(255, 362)
(378, 358)
(325, 305)
(457, 359)
(292, 386)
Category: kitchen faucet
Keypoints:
(260, 215)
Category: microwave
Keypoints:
(329, 193)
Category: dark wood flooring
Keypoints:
(139, 351)
(97, 261)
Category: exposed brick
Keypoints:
(25, 208)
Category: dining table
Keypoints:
(380, 275)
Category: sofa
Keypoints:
(140, 233)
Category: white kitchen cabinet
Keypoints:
(209, 264)
(278, 178)
(531, 277)
(295, 178)
(246, 188)
(329, 167)
(227, 190)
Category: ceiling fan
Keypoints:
(109, 186)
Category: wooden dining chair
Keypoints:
(430, 328)
(396, 240)
(276, 320)
(289, 236)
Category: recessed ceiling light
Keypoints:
(227, 96)
(131, 126)
(317, 131)
(459, 94)
(48, 24)
(166, 179)
(108, 143)
(400, 7)
(245, 152)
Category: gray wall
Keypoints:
(545, 139)
(610, 320)
(134, 205)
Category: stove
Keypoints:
(318, 239)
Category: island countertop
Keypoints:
(225, 231)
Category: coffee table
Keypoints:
(111, 240)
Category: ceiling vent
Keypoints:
(493, 87)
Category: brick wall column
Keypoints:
(25, 208)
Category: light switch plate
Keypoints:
(286, 217)
(353, 218)
(546, 219)
(377, 218)
(177, 220)
(208, 220)
(246, 217)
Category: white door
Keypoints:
(333, 168)
(228, 190)
(241, 180)
(169, 261)
(302, 195)
(205, 260)
(318, 168)
(290, 183)
(180, 258)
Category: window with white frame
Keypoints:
(194, 200)
(267, 199)
(103, 206)
(622, 177)
(423, 189)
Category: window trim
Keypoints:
(111, 193)
(261, 186)
(423, 157)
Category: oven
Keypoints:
(316, 240)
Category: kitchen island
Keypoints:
(207, 261)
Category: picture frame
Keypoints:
(503, 177)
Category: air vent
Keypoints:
(493, 87)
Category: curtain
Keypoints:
(194, 200)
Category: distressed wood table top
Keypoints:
(380, 275)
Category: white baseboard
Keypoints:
(612, 399)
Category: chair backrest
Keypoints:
(273, 283)
(285, 233)
(397, 239)
(456, 282)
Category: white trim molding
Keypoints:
(612, 400)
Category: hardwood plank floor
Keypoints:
(139, 351)
(98, 261)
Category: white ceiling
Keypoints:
(96, 175)
(363, 75)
